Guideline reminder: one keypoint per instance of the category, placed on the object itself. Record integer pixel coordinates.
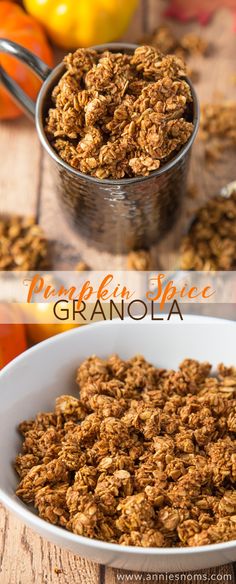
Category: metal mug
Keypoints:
(113, 215)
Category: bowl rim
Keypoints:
(22, 511)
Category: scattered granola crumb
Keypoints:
(58, 571)
(139, 260)
(82, 267)
(213, 151)
(166, 41)
(115, 115)
(211, 241)
(193, 44)
(143, 457)
(23, 245)
(218, 127)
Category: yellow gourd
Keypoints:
(82, 23)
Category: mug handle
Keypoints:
(40, 69)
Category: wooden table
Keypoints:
(26, 186)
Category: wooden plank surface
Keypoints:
(26, 185)
(20, 169)
(26, 558)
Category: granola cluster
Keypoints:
(218, 127)
(115, 115)
(143, 457)
(211, 241)
(139, 260)
(23, 245)
(166, 41)
(186, 46)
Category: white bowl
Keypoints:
(31, 382)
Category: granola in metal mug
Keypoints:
(115, 115)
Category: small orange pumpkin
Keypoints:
(16, 25)
(12, 336)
